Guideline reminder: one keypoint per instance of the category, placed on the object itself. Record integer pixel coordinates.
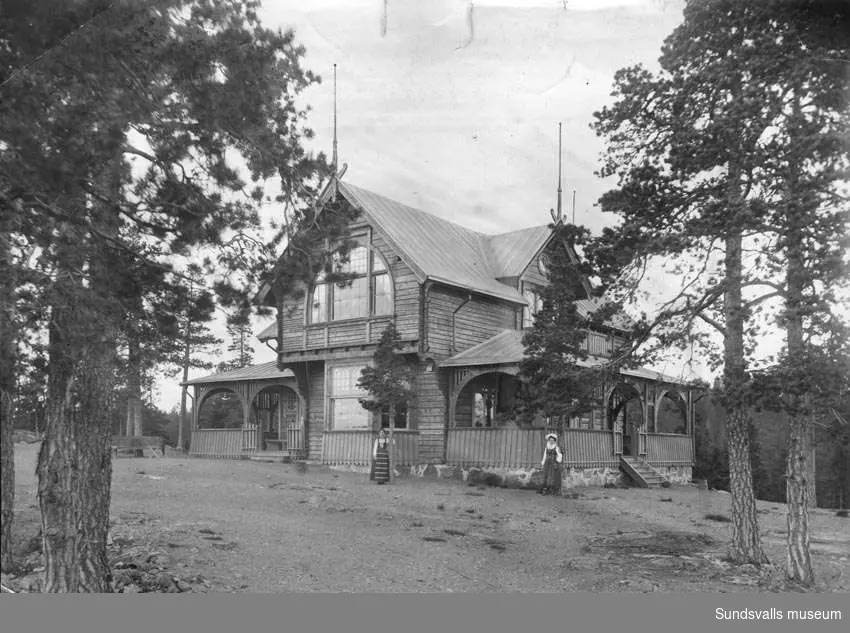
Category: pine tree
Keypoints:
(118, 124)
(718, 161)
(240, 332)
(388, 381)
(556, 379)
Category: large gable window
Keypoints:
(368, 293)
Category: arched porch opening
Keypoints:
(485, 400)
(220, 408)
(625, 413)
(671, 413)
(275, 412)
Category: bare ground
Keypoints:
(234, 526)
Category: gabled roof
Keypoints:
(511, 252)
(435, 248)
(264, 371)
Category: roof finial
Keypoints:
(559, 172)
(335, 157)
(557, 216)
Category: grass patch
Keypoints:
(434, 539)
(720, 518)
(666, 499)
(842, 513)
(441, 506)
(453, 532)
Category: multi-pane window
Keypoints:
(368, 292)
(535, 303)
(346, 412)
(400, 418)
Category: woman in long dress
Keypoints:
(552, 458)
(381, 458)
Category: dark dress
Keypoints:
(381, 463)
(551, 472)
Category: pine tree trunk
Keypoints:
(7, 388)
(797, 556)
(74, 464)
(746, 544)
(7, 485)
(811, 466)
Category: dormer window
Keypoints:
(369, 293)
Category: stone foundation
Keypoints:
(592, 477)
(676, 475)
(525, 478)
(521, 478)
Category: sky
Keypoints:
(453, 107)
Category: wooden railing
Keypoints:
(295, 439)
(220, 443)
(597, 344)
(497, 448)
(354, 448)
(587, 448)
(667, 449)
(250, 438)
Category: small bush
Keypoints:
(842, 513)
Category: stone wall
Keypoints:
(586, 477)
(676, 475)
(527, 478)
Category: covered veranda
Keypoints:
(247, 411)
(641, 414)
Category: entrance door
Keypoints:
(290, 420)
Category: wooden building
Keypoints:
(460, 301)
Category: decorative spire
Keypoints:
(335, 157)
(560, 213)
(557, 216)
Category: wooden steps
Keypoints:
(641, 473)
(276, 457)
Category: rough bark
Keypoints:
(746, 544)
(7, 472)
(7, 387)
(798, 560)
(798, 557)
(74, 464)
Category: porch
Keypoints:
(638, 414)
(252, 411)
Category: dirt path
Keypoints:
(255, 527)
